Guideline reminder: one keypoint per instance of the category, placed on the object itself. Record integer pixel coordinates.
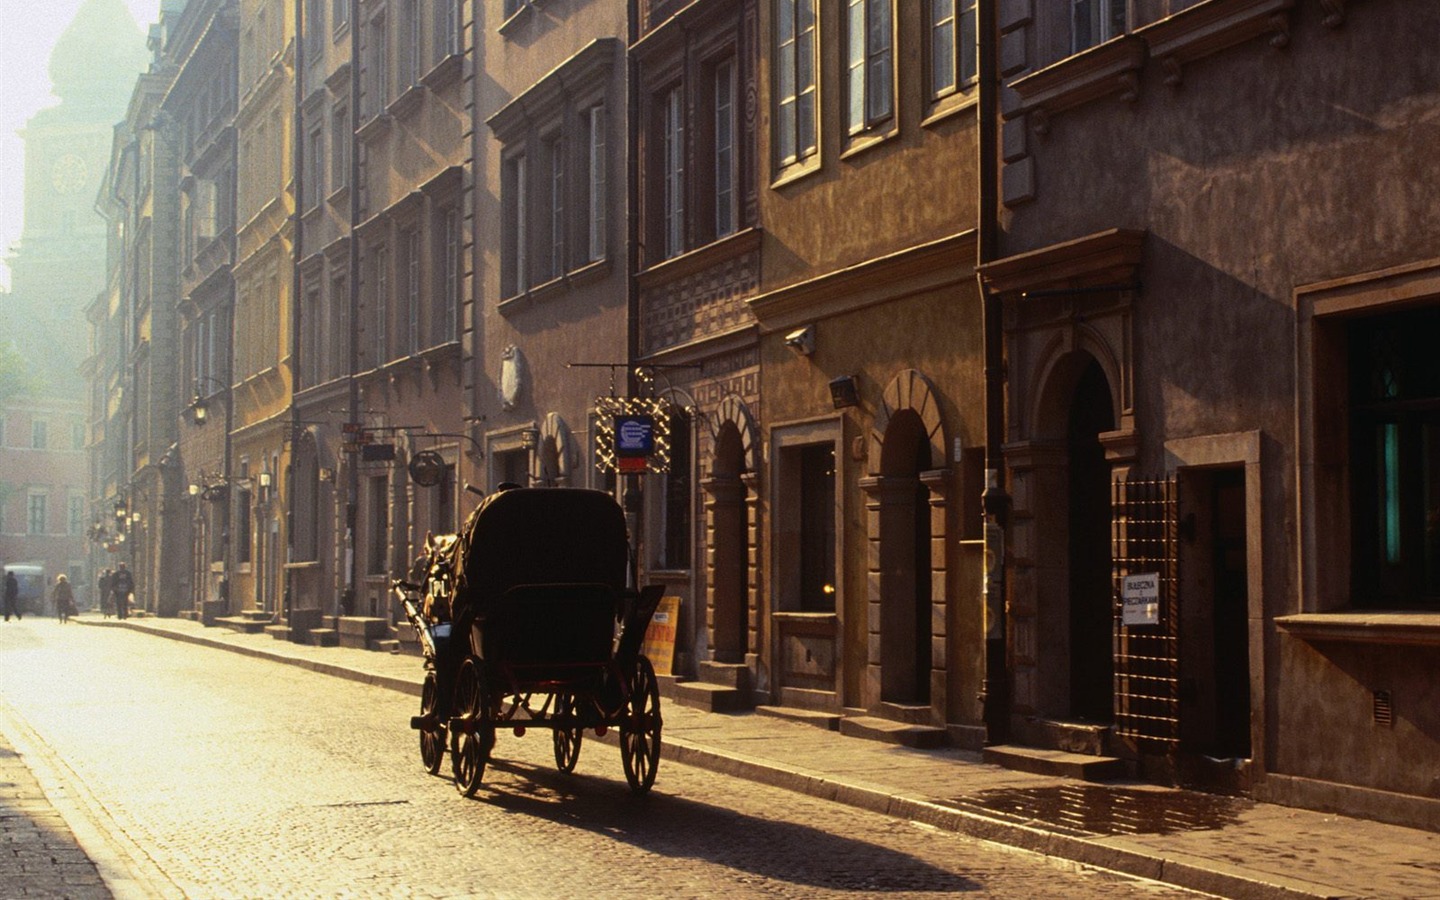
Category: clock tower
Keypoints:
(59, 264)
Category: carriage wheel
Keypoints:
(640, 727)
(470, 747)
(432, 743)
(567, 740)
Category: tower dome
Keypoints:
(95, 60)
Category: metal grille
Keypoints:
(1147, 658)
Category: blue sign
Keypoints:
(634, 435)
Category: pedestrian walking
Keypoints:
(64, 597)
(12, 596)
(122, 585)
(107, 578)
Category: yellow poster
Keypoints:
(659, 643)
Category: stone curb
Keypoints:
(1180, 870)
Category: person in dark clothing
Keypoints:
(122, 585)
(64, 597)
(12, 596)
(104, 591)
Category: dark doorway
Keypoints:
(1215, 648)
(1092, 661)
(905, 563)
(730, 591)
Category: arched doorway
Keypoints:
(1091, 615)
(730, 548)
(905, 561)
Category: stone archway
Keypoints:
(731, 505)
(550, 464)
(906, 521)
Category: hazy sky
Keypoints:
(30, 30)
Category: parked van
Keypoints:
(32, 587)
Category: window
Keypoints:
(512, 466)
(77, 436)
(725, 156)
(514, 6)
(1395, 459)
(39, 434)
(244, 526)
(446, 324)
(953, 40)
(593, 126)
(315, 168)
(447, 29)
(340, 139)
(207, 199)
(817, 528)
(1094, 22)
(377, 83)
(795, 130)
(339, 326)
(340, 12)
(379, 524)
(444, 505)
(312, 359)
(409, 49)
(555, 188)
(410, 288)
(380, 341)
(869, 41)
(514, 198)
(36, 514)
(677, 497)
(314, 28)
(673, 149)
(75, 521)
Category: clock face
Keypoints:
(68, 174)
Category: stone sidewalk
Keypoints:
(1224, 846)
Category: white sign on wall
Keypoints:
(1140, 599)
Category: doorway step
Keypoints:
(721, 687)
(819, 718)
(906, 734)
(251, 621)
(1065, 749)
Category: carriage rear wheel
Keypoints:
(640, 726)
(567, 740)
(432, 742)
(470, 746)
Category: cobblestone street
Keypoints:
(203, 774)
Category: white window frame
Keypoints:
(517, 212)
(37, 512)
(1097, 20)
(410, 242)
(555, 150)
(726, 150)
(595, 150)
(954, 46)
(673, 194)
(796, 128)
(870, 64)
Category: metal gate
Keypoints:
(1144, 536)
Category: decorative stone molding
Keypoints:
(1109, 69)
(911, 390)
(1208, 28)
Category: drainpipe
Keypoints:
(633, 499)
(346, 600)
(297, 248)
(995, 692)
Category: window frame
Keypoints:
(870, 66)
(796, 136)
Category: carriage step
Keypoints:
(709, 697)
(324, 637)
(920, 737)
(1060, 763)
(249, 623)
(386, 646)
(278, 632)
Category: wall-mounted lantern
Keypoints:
(843, 392)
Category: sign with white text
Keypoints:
(1140, 599)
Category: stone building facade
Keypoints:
(1213, 329)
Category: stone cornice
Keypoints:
(1112, 256)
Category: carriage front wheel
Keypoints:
(432, 741)
(471, 743)
(567, 739)
(640, 726)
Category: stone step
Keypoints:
(324, 637)
(717, 698)
(819, 718)
(735, 675)
(386, 646)
(278, 632)
(906, 734)
(246, 623)
(1060, 763)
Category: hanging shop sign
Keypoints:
(1140, 599)
(427, 468)
(632, 435)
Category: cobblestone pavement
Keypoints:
(39, 857)
(209, 774)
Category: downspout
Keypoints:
(297, 148)
(632, 499)
(995, 693)
(346, 600)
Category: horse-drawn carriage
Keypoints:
(526, 621)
